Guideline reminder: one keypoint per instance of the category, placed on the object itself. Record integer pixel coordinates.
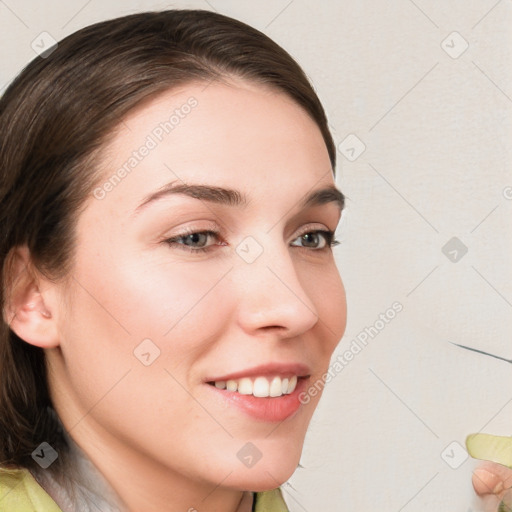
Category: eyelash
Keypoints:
(173, 242)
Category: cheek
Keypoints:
(170, 300)
(113, 313)
(117, 306)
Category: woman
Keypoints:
(169, 291)
(169, 288)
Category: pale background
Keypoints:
(437, 130)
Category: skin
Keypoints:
(491, 481)
(209, 313)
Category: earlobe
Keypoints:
(26, 311)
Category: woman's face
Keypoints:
(152, 316)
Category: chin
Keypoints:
(266, 474)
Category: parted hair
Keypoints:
(55, 118)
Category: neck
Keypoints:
(144, 484)
(99, 472)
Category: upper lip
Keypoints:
(271, 369)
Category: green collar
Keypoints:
(269, 501)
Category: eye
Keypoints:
(197, 241)
(192, 241)
(318, 239)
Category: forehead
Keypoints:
(240, 135)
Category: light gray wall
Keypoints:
(436, 126)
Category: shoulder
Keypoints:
(269, 501)
(19, 492)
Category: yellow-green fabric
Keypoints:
(19, 492)
(270, 501)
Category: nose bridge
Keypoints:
(270, 293)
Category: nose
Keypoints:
(272, 295)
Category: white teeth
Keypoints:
(245, 386)
(276, 388)
(292, 384)
(232, 385)
(261, 386)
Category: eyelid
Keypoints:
(192, 227)
(313, 226)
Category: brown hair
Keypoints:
(54, 119)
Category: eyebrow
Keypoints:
(234, 198)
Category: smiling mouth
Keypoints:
(261, 387)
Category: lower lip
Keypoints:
(269, 409)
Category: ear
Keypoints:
(27, 310)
